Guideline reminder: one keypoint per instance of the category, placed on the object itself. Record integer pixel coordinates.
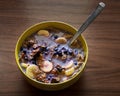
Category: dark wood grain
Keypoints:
(102, 74)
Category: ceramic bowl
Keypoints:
(44, 25)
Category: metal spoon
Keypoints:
(90, 19)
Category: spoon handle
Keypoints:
(90, 19)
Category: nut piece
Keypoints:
(47, 66)
(43, 33)
(61, 40)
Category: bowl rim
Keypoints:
(43, 22)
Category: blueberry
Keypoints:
(43, 49)
(75, 63)
(59, 53)
(65, 52)
(47, 49)
(55, 53)
(59, 69)
(46, 53)
(50, 76)
(58, 45)
(33, 61)
(70, 52)
(49, 60)
(56, 49)
(76, 51)
(21, 48)
(37, 55)
(63, 48)
(24, 50)
(55, 36)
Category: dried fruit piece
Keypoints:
(43, 33)
(32, 70)
(24, 65)
(47, 66)
(69, 71)
(61, 40)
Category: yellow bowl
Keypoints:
(44, 25)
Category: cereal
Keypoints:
(44, 57)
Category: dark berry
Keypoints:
(59, 53)
(49, 60)
(24, 50)
(46, 53)
(63, 48)
(70, 52)
(75, 51)
(56, 49)
(75, 63)
(55, 36)
(47, 49)
(65, 52)
(58, 45)
(43, 49)
(36, 55)
(55, 53)
(33, 61)
(21, 48)
(59, 69)
(50, 76)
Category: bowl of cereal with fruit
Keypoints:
(43, 59)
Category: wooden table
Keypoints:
(102, 74)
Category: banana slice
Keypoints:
(69, 71)
(24, 65)
(31, 71)
(68, 65)
(43, 33)
(47, 66)
(61, 40)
